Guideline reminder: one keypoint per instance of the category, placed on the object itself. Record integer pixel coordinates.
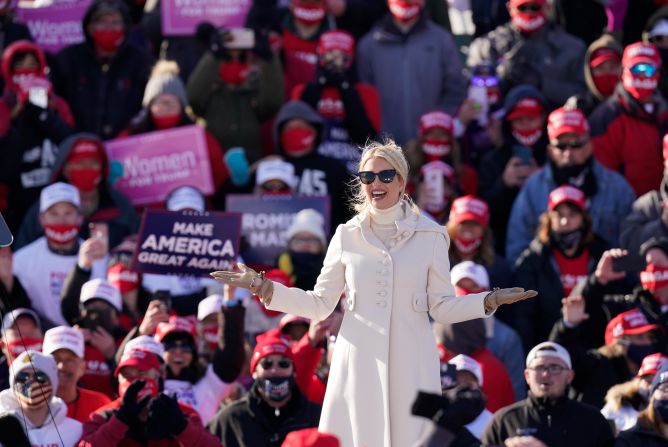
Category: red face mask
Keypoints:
(166, 121)
(493, 94)
(460, 291)
(403, 11)
(297, 141)
(233, 72)
(528, 22)
(123, 278)
(605, 83)
(107, 40)
(467, 246)
(85, 179)
(61, 234)
(436, 149)
(527, 137)
(151, 387)
(18, 347)
(640, 87)
(308, 13)
(654, 277)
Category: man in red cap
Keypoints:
(274, 406)
(626, 129)
(531, 49)
(350, 110)
(570, 162)
(143, 412)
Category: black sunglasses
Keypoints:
(183, 346)
(25, 377)
(385, 176)
(530, 7)
(570, 145)
(282, 363)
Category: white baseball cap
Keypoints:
(63, 337)
(101, 289)
(310, 221)
(58, 192)
(275, 169)
(146, 343)
(38, 361)
(184, 198)
(209, 305)
(465, 363)
(469, 269)
(549, 349)
(11, 317)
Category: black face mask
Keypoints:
(636, 353)
(568, 240)
(276, 389)
(579, 176)
(661, 407)
(307, 265)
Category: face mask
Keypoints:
(528, 22)
(276, 389)
(467, 246)
(654, 277)
(605, 83)
(460, 291)
(61, 234)
(527, 137)
(306, 263)
(308, 13)
(85, 179)
(151, 387)
(22, 73)
(18, 347)
(108, 40)
(123, 278)
(568, 240)
(436, 149)
(403, 11)
(640, 87)
(644, 395)
(233, 72)
(661, 408)
(493, 94)
(297, 141)
(636, 353)
(32, 394)
(166, 122)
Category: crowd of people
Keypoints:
(538, 141)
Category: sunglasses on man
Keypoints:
(648, 70)
(281, 364)
(569, 145)
(385, 176)
(530, 7)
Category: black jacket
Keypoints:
(250, 422)
(564, 422)
(638, 436)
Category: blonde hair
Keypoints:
(389, 151)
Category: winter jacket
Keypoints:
(103, 95)
(113, 208)
(661, 14)
(414, 73)
(640, 436)
(551, 59)
(608, 207)
(299, 55)
(234, 115)
(505, 343)
(537, 269)
(57, 430)
(644, 221)
(585, 19)
(622, 404)
(104, 429)
(250, 422)
(627, 138)
(555, 423)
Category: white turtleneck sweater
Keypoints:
(384, 222)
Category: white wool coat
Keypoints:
(385, 351)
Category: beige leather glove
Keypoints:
(248, 279)
(499, 297)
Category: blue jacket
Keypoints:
(611, 204)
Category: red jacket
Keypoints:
(104, 429)
(307, 358)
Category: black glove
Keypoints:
(212, 38)
(128, 412)
(11, 432)
(165, 410)
(334, 78)
(456, 408)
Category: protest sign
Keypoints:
(187, 243)
(55, 24)
(150, 165)
(181, 17)
(266, 219)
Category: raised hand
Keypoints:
(249, 279)
(573, 310)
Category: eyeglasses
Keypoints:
(385, 176)
(569, 145)
(281, 364)
(305, 241)
(552, 369)
(181, 345)
(648, 70)
(530, 7)
(25, 377)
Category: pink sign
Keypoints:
(55, 25)
(150, 165)
(181, 17)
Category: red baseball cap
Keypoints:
(665, 147)
(639, 53)
(336, 40)
(564, 120)
(175, 324)
(436, 119)
(310, 437)
(85, 148)
(651, 364)
(139, 358)
(268, 344)
(525, 108)
(627, 323)
(469, 208)
(604, 54)
(566, 193)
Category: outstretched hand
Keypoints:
(500, 297)
(247, 278)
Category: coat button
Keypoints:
(381, 304)
(385, 272)
(382, 293)
(382, 283)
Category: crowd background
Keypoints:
(535, 131)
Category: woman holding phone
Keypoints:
(393, 264)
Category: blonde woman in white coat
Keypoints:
(393, 264)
